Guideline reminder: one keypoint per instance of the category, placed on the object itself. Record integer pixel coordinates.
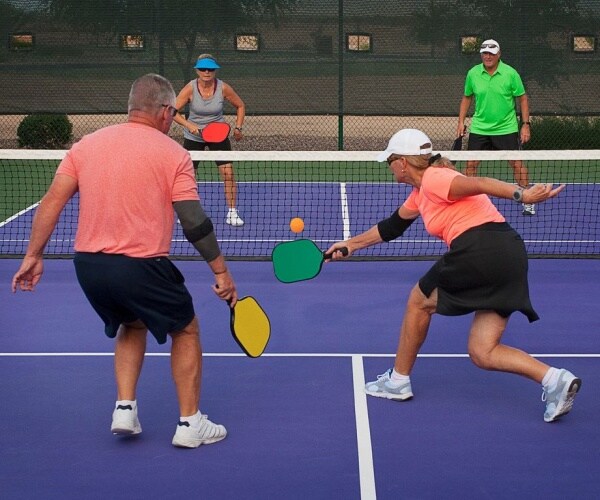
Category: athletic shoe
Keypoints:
(383, 387)
(125, 421)
(233, 218)
(528, 209)
(559, 398)
(187, 436)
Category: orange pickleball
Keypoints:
(297, 225)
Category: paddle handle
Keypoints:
(344, 251)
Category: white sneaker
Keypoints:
(187, 436)
(233, 218)
(559, 398)
(125, 421)
(528, 208)
(383, 387)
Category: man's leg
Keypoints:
(130, 348)
(522, 178)
(186, 367)
(471, 170)
(477, 142)
(521, 173)
(194, 428)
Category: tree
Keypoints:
(176, 24)
(524, 29)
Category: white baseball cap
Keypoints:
(491, 46)
(408, 141)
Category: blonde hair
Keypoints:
(206, 56)
(423, 161)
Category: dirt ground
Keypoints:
(281, 133)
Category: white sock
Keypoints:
(399, 379)
(194, 420)
(551, 377)
(126, 402)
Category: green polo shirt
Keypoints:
(494, 99)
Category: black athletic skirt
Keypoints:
(485, 269)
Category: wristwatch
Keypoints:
(518, 194)
(238, 128)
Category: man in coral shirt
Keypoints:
(129, 178)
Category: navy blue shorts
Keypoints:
(124, 289)
(211, 146)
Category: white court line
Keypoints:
(363, 432)
(18, 214)
(345, 212)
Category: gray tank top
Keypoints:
(204, 111)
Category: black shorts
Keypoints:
(211, 146)
(123, 289)
(484, 270)
(507, 142)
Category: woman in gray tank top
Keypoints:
(206, 96)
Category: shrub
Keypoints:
(45, 131)
(566, 132)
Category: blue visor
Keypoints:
(207, 64)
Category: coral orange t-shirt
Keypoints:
(444, 218)
(128, 177)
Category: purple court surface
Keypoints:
(300, 426)
(322, 205)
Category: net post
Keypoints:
(340, 75)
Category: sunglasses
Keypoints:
(392, 158)
(206, 69)
(489, 46)
(172, 110)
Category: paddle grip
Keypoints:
(344, 251)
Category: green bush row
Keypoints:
(45, 131)
(573, 132)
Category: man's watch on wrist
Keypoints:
(238, 128)
(518, 194)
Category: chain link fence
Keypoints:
(314, 74)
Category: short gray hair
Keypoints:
(150, 92)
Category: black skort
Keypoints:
(211, 146)
(485, 269)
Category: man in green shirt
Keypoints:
(494, 126)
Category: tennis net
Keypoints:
(337, 194)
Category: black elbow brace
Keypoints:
(393, 227)
(199, 232)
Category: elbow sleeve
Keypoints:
(393, 227)
(198, 228)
